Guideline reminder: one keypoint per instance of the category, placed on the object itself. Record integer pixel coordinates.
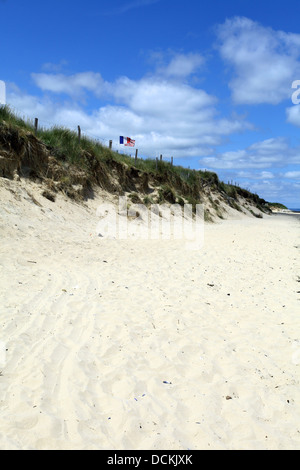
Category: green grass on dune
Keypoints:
(64, 144)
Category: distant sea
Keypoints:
(295, 210)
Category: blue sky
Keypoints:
(207, 82)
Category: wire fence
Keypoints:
(43, 124)
(38, 124)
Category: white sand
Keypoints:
(93, 327)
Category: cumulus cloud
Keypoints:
(73, 85)
(171, 116)
(162, 114)
(261, 175)
(265, 62)
(292, 175)
(182, 65)
(293, 115)
(161, 98)
(54, 67)
(278, 190)
(269, 153)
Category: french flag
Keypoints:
(127, 141)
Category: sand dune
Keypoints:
(143, 345)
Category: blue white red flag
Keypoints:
(127, 141)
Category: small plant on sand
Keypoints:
(180, 201)
(135, 198)
(207, 216)
(147, 201)
(258, 216)
(167, 193)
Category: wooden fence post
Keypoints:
(171, 161)
(36, 123)
(79, 134)
(156, 163)
(110, 144)
(136, 154)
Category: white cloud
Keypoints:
(292, 174)
(182, 118)
(162, 115)
(131, 6)
(161, 98)
(266, 154)
(73, 85)
(277, 191)
(293, 115)
(28, 105)
(262, 175)
(182, 65)
(265, 61)
(176, 65)
(57, 67)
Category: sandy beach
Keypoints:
(116, 344)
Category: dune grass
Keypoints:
(12, 119)
(176, 181)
